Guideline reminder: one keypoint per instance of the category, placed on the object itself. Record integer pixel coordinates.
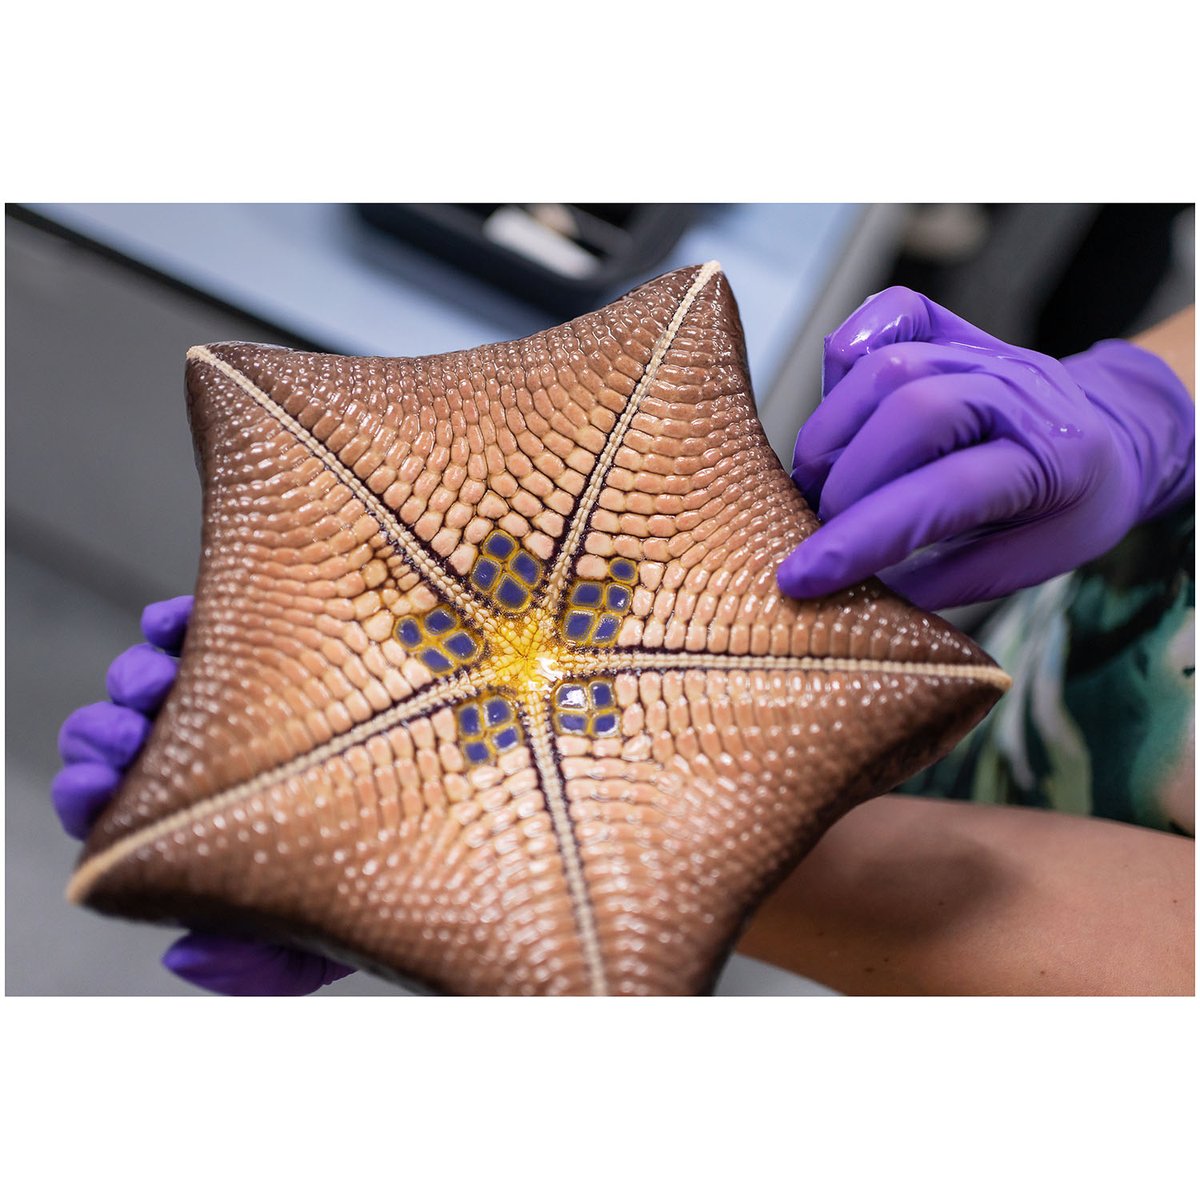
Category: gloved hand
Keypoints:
(99, 742)
(1008, 467)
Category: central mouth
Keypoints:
(528, 654)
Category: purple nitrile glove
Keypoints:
(98, 742)
(960, 468)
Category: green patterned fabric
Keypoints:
(1100, 718)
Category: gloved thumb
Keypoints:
(897, 314)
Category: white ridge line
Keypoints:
(382, 515)
(418, 706)
(552, 786)
(616, 439)
(669, 661)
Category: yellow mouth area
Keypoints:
(529, 655)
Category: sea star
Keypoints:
(489, 684)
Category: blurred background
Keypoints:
(103, 502)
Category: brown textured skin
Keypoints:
(306, 780)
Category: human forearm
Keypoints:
(1174, 341)
(909, 896)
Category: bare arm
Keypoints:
(1174, 341)
(911, 896)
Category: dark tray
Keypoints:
(563, 257)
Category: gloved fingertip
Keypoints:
(141, 677)
(794, 577)
(817, 567)
(74, 744)
(203, 960)
(103, 732)
(79, 792)
(229, 966)
(234, 967)
(185, 959)
(164, 623)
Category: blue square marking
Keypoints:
(461, 645)
(498, 711)
(616, 597)
(586, 594)
(484, 573)
(409, 633)
(477, 752)
(604, 723)
(572, 722)
(606, 629)
(602, 696)
(499, 546)
(510, 593)
(435, 660)
(506, 738)
(440, 620)
(571, 695)
(525, 568)
(622, 569)
(578, 624)
(468, 719)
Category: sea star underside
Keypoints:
(489, 684)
